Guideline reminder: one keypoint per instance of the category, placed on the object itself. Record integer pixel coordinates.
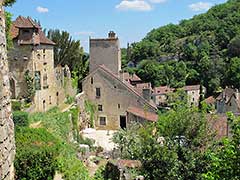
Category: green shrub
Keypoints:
(16, 106)
(20, 118)
(36, 154)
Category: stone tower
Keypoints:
(106, 52)
(7, 143)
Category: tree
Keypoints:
(66, 51)
(8, 2)
(172, 148)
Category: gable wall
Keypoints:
(112, 94)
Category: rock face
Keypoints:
(7, 143)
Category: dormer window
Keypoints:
(26, 31)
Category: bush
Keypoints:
(36, 154)
(20, 118)
(16, 106)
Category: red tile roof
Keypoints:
(191, 87)
(163, 90)
(210, 100)
(143, 114)
(219, 123)
(130, 77)
(28, 23)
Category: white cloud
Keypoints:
(136, 5)
(158, 1)
(42, 9)
(84, 33)
(200, 6)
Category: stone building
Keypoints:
(32, 57)
(7, 143)
(228, 100)
(106, 87)
(193, 92)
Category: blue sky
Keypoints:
(130, 19)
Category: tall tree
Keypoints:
(66, 51)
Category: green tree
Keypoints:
(66, 51)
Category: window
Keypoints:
(25, 31)
(91, 80)
(98, 92)
(119, 106)
(39, 56)
(50, 99)
(44, 50)
(100, 107)
(45, 83)
(102, 121)
(37, 79)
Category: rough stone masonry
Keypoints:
(7, 142)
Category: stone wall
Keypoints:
(7, 147)
(107, 52)
(114, 100)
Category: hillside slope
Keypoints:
(208, 45)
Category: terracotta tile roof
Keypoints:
(129, 163)
(219, 123)
(191, 87)
(210, 100)
(28, 23)
(143, 114)
(131, 77)
(163, 90)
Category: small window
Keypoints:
(100, 107)
(39, 56)
(44, 63)
(50, 99)
(119, 106)
(102, 121)
(98, 92)
(44, 50)
(26, 31)
(91, 80)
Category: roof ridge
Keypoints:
(125, 84)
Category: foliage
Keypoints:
(59, 125)
(99, 174)
(16, 105)
(36, 154)
(69, 99)
(20, 119)
(91, 109)
(201, 47)
(8, 2)
(168, 151)
(224, 158)
(8, 23)
(30, 86)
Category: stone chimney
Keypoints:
(111, 35)
(237, 94)
(147, 93)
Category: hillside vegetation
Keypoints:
(204, 49)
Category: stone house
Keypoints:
(160, 94)
(228, 100)
(32, 56)
(106, 87)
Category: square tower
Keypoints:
(106, 52)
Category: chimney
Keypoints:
(111, 35)
(237, 94)
(147, 93)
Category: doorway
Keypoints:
(123, 122)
